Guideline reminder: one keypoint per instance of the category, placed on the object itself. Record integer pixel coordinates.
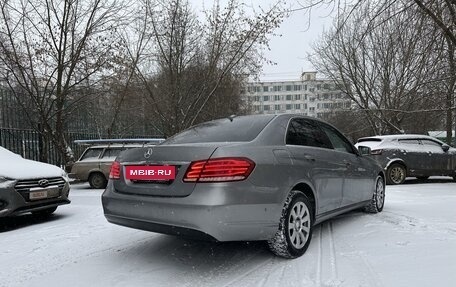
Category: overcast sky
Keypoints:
(289, 51)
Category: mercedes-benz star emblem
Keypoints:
(148, 153)
(43, 182)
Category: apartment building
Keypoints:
(308, 96)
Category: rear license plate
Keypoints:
(42, 193)
(150, 172)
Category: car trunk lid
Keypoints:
(180, 156)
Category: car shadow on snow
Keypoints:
(21, 221)
(189, 259)
(218, 261)
(414, 180)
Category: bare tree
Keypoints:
(382, 61)
(47, 49)
(191, 69)
(443, 14)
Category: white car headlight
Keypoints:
(3, 180)
(65, 176)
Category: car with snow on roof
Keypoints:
(409, 155)
(30, 186)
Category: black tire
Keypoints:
(378, 198)
(396, 174)
(45, 212)
(97, 180)
(284, 244)
(422, 177)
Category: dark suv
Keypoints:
(419, 156)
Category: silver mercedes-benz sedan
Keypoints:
(262, 177)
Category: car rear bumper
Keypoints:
(210, 212)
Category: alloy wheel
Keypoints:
(299, 225)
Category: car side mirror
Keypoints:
(445, 147)
(364, 150)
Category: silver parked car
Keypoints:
(419, 156)
(30, 186)
(262, 177)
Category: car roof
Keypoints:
(398, 137)
(115, 146)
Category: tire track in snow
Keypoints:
(319, 257)
(332, 251)
(327, 273)
(247, 273)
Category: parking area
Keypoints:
(411, 243)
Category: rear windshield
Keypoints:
(238, 129)
(369, 140)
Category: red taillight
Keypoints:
(219, 170)
(376, 152)
(115, 170)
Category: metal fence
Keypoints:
(29, 144)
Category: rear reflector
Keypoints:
(114, 173)
(219, 170)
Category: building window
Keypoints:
(297, 87)
(265, 98)
(256, 108)
(318, 87)
(265, 88)
(276, 98)
(297, 106)
(305, 106)
(256, 98)
(277, 107)
(297, 97)
(289, 97)
(288, 88)
(326, 86)
(305, 87)
(266, 108)
(288, 106)
(277, 88)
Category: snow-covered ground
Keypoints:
(411, 243)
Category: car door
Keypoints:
(109, 155)
(358, 181)
(88, 162)
(312, 154)
(437, 161)
(412, 153)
